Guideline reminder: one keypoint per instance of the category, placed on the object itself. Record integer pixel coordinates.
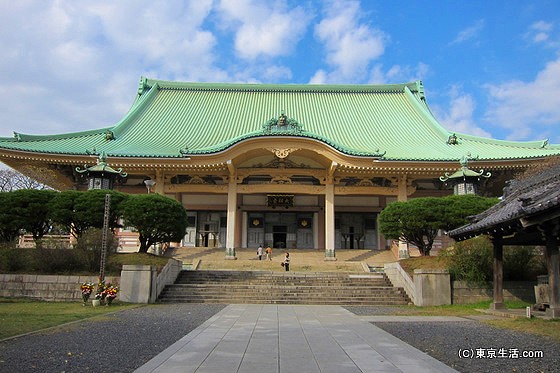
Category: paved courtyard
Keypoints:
(290, 338)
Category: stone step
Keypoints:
(283, 288)
(264, 288)
(348, 283)
(290, 300)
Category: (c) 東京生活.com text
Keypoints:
(498, 353)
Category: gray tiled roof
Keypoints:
(525, 198)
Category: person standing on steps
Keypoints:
(260, 252)
(268, 252)
(286, 262)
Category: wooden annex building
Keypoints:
(293, 166)
(528, 214)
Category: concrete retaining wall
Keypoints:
(142, 284)
(137, 284)
(47, 287)
(433, 287)
(513, 290)
(401, 279)
(428, 288)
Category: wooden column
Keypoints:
(498, 274)
(404, 252)
(552, 258)
(160, 183)
(231, 212)
(329, 223)
(329, 214)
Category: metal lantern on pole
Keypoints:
(464, 180)
(102, 176)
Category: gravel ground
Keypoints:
(119, 342)
(445, 341)
(124, 341)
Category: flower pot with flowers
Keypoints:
(86, 289)
(100, 292)
(110, 293)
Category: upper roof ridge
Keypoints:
(147, 83)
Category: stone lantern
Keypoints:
(101, 176)
(464, 180)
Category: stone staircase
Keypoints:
(283, 288)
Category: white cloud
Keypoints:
(277, 73)
(469, 33)
(459, 116)
(398, 73)
(320, 77)
(263, 29)
(76, 65)
(540, 33)
(351, 46)
(528, 109)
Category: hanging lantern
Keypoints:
(464, 181)
(101, 176)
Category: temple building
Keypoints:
(292, 166)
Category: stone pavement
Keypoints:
(290, 338)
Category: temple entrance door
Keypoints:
(351, 237)
(205, 235)
(279, 236)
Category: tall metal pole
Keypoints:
(104, 237)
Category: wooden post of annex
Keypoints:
(552, 257)
(498, 274)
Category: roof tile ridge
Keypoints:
(533, 144)
(423, 108)
(143, 100)
(21, 137)
(306, 134)
(296, 87)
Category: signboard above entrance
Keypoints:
(280, 200)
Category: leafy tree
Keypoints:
(458, 208)
(418, 221)
(30, 210)
(79, 211)
(63, 211)
(157, 218)
(9, 228)
(89, 209)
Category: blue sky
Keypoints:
(490, 68)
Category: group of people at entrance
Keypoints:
(285, 263)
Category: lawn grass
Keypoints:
(548, 328)
(20, 316)
(424, 262)
(538, 326)
(118, 260)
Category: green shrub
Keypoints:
(88, 249)
(523, 263)
(55, 261)
(11, 260)
(471, 261)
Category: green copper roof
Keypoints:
(173, 119)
